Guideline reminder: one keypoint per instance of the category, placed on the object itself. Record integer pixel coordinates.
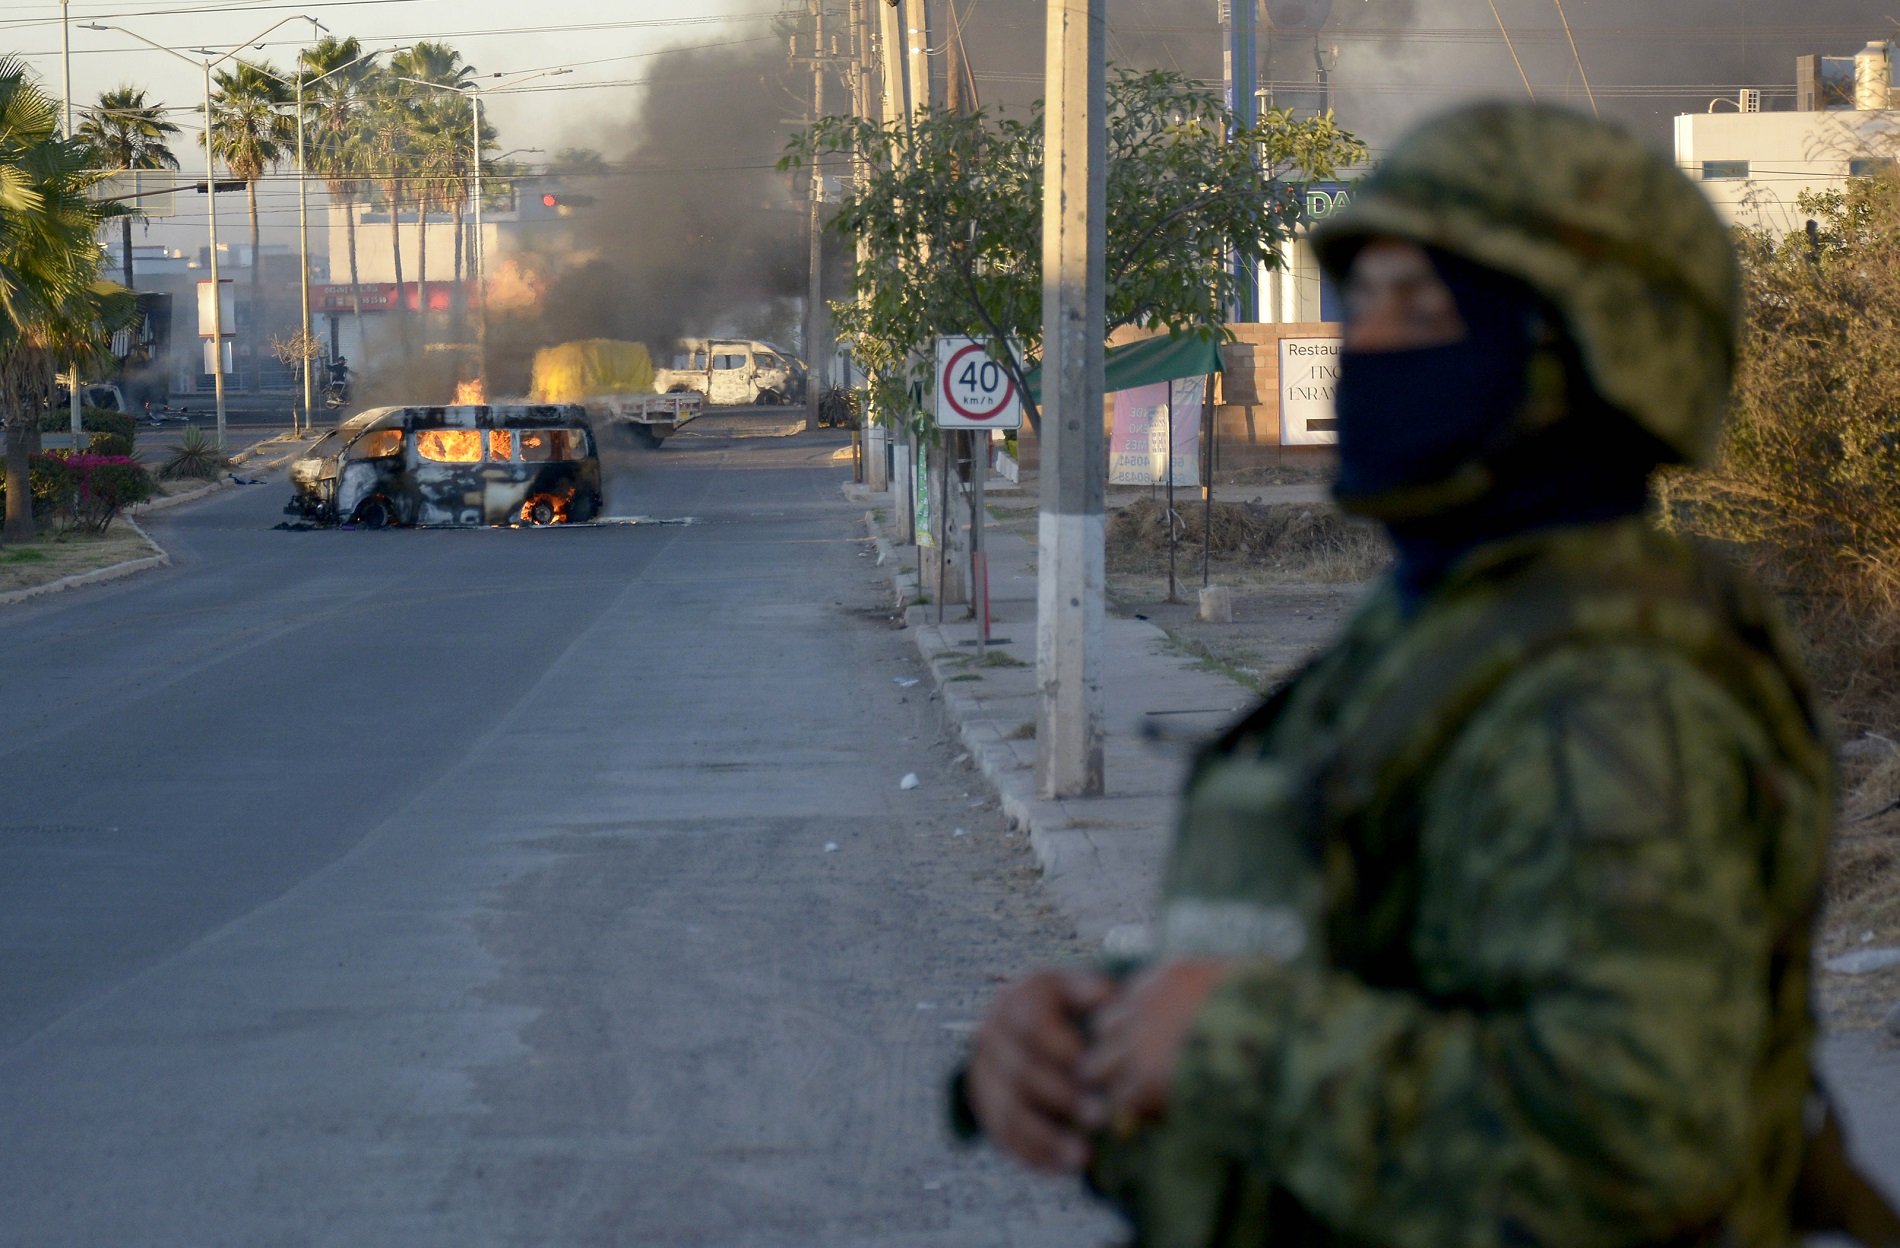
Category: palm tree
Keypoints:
(388, 150)
(124, 132)
(440, 165)
(434, 123)
(336, 108)
(252, 135)
(49, 261)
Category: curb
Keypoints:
(98, 576)
(214, 487)
(146, 563)
(1087, 862)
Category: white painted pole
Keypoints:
(481, 252)
(73, 402)
(817, 368)
(303, 258)
(217, 291)
(1070, 571)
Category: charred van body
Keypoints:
(469, 465)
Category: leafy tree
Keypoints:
(434, 120)
(124, 132)
(1808, 475)
(252, 135)
(581, 161)
(952, 215)
(389, 154)
(335, 133)
(52, 304)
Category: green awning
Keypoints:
(1162, 358)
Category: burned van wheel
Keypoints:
(770, 398)
(375, 513)
(539, 511)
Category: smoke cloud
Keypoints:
(688, 230)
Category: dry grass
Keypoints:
(1293, 542)
(30, 564)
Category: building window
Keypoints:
(1723, 170)
(1868, 166)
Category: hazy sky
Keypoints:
(609, 44)
(1391, 60)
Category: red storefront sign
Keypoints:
(336, 297)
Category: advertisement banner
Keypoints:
(1309, 372)
(920, 490)
(1138, 443)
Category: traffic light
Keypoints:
(557, 203)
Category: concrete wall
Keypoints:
(1247, 399)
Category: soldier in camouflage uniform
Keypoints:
(1492, 927)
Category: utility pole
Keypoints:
(917, 53)
(818, 367)
(897, 96)
(870, 470)
(1243, 74)
(66, 99)
(1069, 579)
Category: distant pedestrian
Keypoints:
(1493, 926)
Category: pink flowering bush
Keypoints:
(101, 486)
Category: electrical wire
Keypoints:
(1513, 50)
(1578, 56)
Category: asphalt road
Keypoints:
(501, 887)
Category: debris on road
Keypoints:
(909, 782)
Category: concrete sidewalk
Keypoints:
(1101, 856)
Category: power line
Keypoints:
(1513, 50)
(1578, 57)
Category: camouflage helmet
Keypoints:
(1605, 229)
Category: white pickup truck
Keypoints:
(734, 371)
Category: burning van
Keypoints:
(476, 464)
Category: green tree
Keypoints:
(52, 304)
(252, 135)
(1807, 479)
(434, 120)
(336, 137)
(124, 133)
(952, 216)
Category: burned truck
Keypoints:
(734, 371)
(463, 465)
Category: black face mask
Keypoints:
(1411, 419)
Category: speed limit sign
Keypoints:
(974, 391)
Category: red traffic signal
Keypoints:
(550, 200)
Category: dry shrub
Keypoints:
(1807, 484)
(1298, 540)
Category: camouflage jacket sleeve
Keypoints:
(1591, 958)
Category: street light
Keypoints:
(474, 94)
(303, 207)
(211, 189)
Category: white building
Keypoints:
(1754, 165)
